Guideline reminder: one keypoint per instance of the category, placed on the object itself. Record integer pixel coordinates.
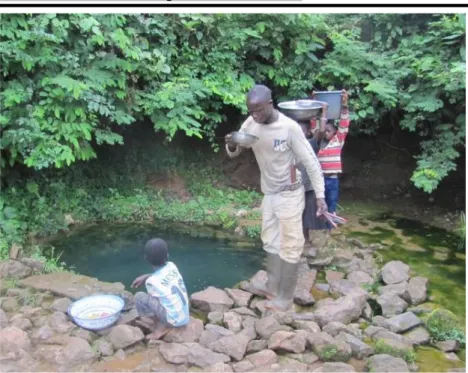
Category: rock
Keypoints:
(303, 316)
(84, 334)
(244, 311)
(346, 287)
(267, 326)
(418, 336)
(335, 327)
(423, 308)
(219, 367)
(103, 347)
(451, 356)
(243, 366)
(345, 310)
(43, 333)
(391, 304)
(3, 319)
(191, 353)
(219, 330)
(386, 363)
(288, 341)
(327, 348)
(14, 268)
(257, 345)
(335, 367)
(395, 272)
(22, 323)
(60, 322)
(233, 321)
(416, 292)
(308, 326)
(128, 318)
(324, 302)
(241, 298)
(366, 265)
(305, 282)
(306, 357)
(215, 317)
(448, 346)
(208, 337)
(413, 367)
(122, 336)
(393, 347)
(13, 340)
(359, 349)
(61, 304)
(188, 333)
(249, 322)
(404, 322)
(333, 276)
(380, 321)
(342, 258)
(397, 289)
(290, 365)
(10, 305)
(234, 346)
(211, 299)
(367, 312)
(35, 264)
(33, 311)
(360, 278)
(323, 287)
(120, 354)
(283, 318)
(262, 358)
(15, 251)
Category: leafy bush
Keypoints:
(443, 325)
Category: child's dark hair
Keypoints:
(156, 252)
(332, 123)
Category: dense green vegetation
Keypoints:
(75, 83)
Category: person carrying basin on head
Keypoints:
(280, 143)
(166, 301)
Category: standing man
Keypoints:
(281, 144)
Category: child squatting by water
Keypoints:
(166, 300)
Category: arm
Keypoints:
(320, 132)
(343, 126)
(140, 280)
(232, 149)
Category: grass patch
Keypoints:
(443, 325)
(384, 347)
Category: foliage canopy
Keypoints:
(71, 82)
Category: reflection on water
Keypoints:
(114, 253)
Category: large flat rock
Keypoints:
(70, 285)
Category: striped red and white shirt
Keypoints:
(330, 156)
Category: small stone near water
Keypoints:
(395, 272)
(322, 287)
(416, 292)
(345, 310)
(346, 287)
(359, 349)
(333, 275)
(188, 333)
(122, 336)
(14, 269)
(335, 327)
(404, 322)
(120, 354)
(61, 304)
(327, 348)
(233, 321)
(84, 334)
(257, 345)
(308, 326)
(22, 323)
(360, 278)
(305, 282)
(386, 363)
(211, 299)
(10, 305)
(3, 319)
(391, 304)
(418, 336)
(244, 311)
(215, 317)
(234, 346)
(266, 326)
(448, 346)
(103, 347)
(241, 298)
(334, 368)
(43, 333)
(452, 356)
(262, 358)
(60, 322)
(288, 341)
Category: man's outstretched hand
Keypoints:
(321, 206)
(139, 281)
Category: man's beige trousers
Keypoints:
(282, 224)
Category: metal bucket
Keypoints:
(333, 99)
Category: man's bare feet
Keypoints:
(160, 331)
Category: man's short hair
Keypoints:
(156, 252)
(259, 93)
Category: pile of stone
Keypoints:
(338, 333)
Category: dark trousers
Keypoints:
(332, 192)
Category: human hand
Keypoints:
(139, 281)
(344, 97)
(228, 140)
(321, 206)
